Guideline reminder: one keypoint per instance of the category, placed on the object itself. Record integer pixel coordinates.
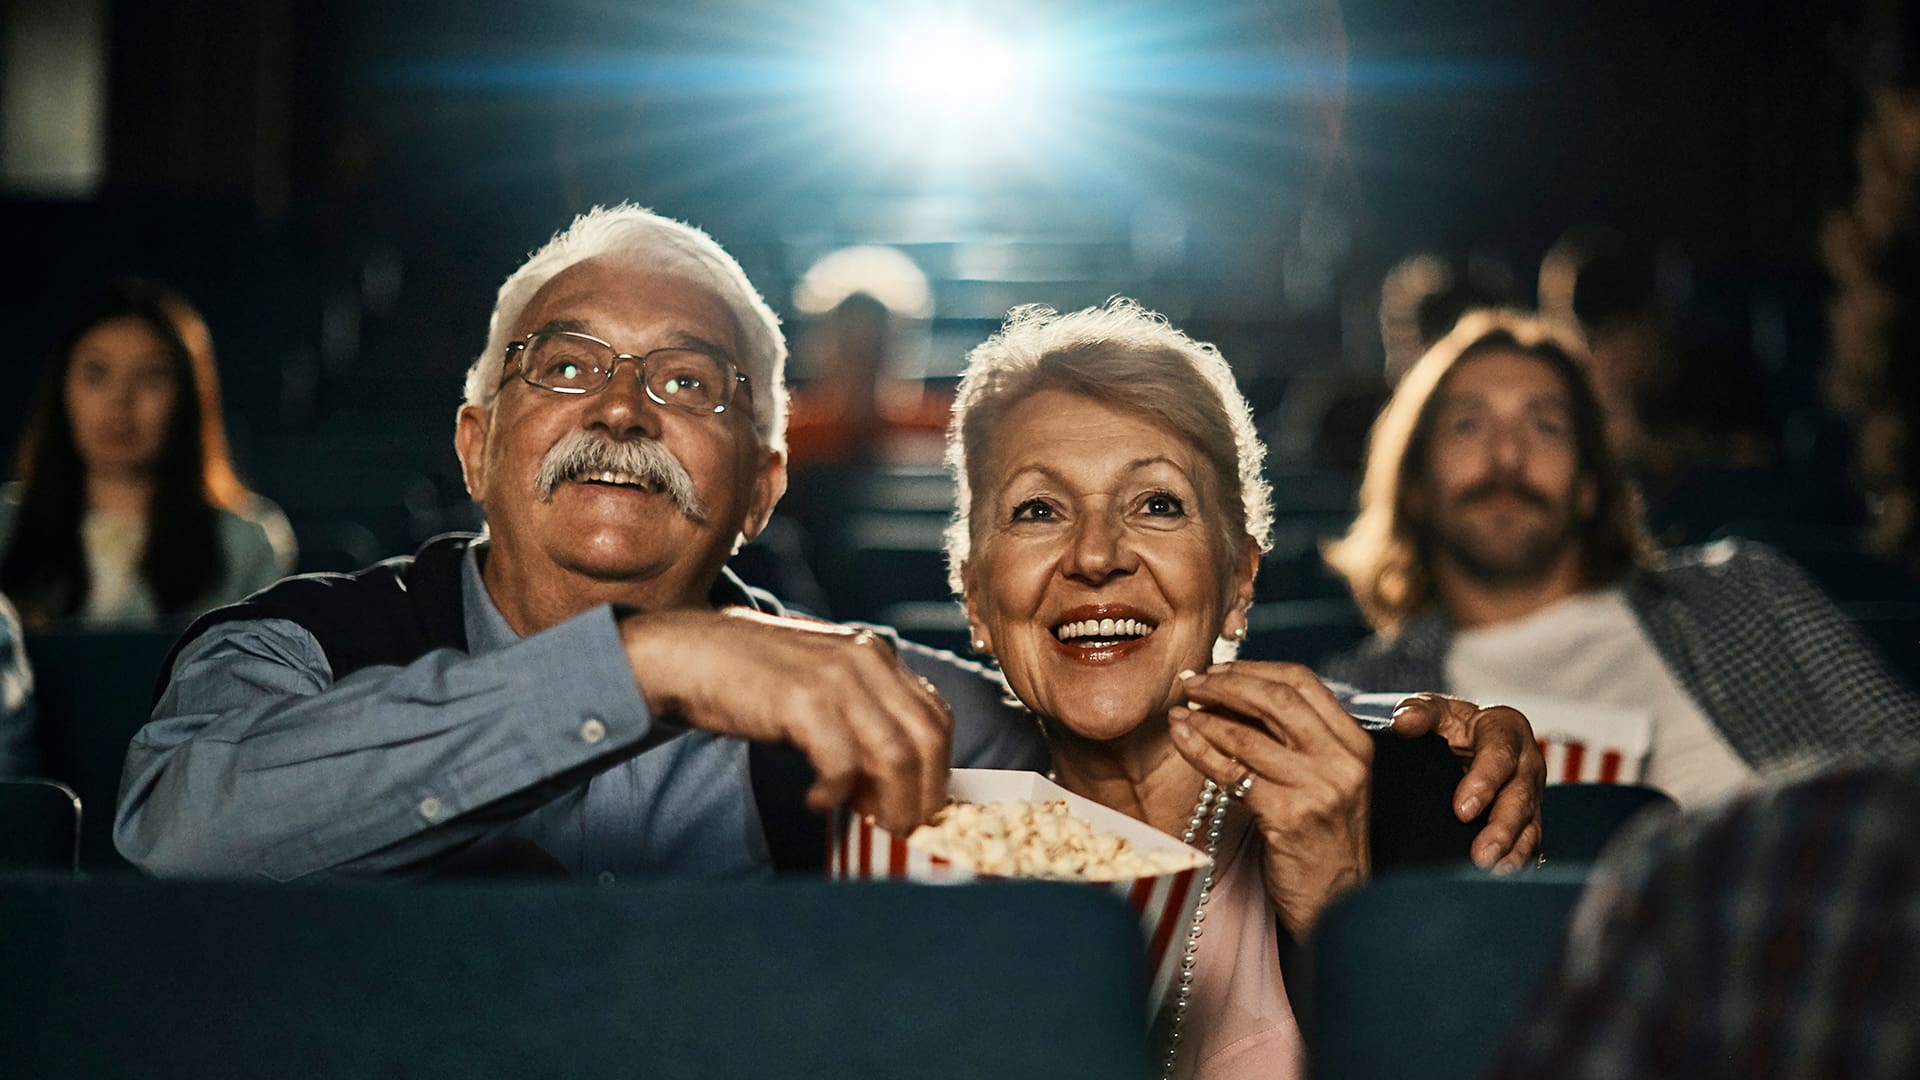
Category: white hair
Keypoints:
(1127, 356)
(634, 236)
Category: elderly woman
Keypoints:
(1110, 522)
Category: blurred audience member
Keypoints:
(1687, 413)
(836, 417)
(18, 755)
(1773, 937)
(1322, 420)
(858, 404)
(1873, 251)
(1424, 295)
(1500, 554)
(127, 508)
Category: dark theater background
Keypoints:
(341, 185)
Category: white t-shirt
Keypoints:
(1584, 672)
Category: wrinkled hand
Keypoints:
(877, 734)
(1504, 767)
(1312, 768)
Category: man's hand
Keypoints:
(877, 734)
(1504, 767)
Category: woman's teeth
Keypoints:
(1102, 629)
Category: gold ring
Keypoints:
(1242, 786)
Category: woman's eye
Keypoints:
(1033, 510)
(1463, 425)
(1164, 505)
(1552, 429)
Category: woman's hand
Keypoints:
(1311, 769)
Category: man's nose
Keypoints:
(622, 407)
(1509, 449)
(1099, 548)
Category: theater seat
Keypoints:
(669, 980)
(1579, 819)
(39, 827)
(95, 690)
(1419, 975)
(1893, 628)
(1303, 631)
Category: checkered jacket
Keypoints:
(1762, 651)
(1774, 935)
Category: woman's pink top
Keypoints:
(1239, 1022)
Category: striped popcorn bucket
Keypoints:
(1587, 742)
(861, 850)
(1570, 761)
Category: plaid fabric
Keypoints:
(1762, 651)
(1775, 936)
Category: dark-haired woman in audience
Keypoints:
(127, 509)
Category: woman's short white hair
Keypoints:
(637, 237)
(1124, 355)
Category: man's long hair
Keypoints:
(44, 568)
(1386, 556)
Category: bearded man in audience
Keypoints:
(1500, 554)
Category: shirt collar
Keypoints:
(487, 629)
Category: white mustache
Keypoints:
(585, 452)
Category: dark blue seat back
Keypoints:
(95, 690)
(1419, 976)
(39, 826)
(1893, 628)
(1579, 819)
(794, 979)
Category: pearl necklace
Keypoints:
(1211, 797)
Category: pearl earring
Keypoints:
(1239, 633)
(979, 644)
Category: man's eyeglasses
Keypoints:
(567, 362)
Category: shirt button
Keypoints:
(593, 730)
(606, 877)
(429, 807)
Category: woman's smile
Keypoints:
(1102, 633)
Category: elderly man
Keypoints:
(1501, 554)
(588, 686)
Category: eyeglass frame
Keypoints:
(517, 351)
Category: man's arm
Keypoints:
(991, 730)
(257, 764)
(1852, 682)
